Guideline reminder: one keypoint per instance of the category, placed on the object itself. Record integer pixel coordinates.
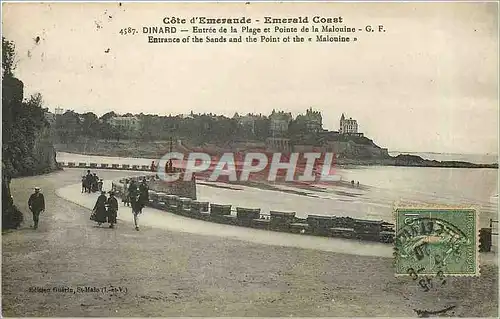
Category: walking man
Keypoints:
(88, 181)
(84, 189)
(134, 195)
(125, 194)
(143, 192)
(36, 204)
(112, 209)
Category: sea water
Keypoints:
(380, 188)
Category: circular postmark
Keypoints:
(433, 246)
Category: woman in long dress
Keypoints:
(99, 212)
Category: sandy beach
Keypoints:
(172, 273)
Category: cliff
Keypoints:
(26, 146)
(344, 146)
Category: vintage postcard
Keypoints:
(250, 159)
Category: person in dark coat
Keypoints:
(125, 196)
(95, 180)
(88, 181)
(143, 193)
(84, 189)
(132, 190)
(134, 194)
(36, 204)
(112, 204)
(100, 214)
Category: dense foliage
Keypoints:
(197, 129)
(26, 146)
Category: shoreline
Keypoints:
(403, 161)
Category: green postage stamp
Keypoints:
(436, 241)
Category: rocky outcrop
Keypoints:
(414, 160)
(350, 149)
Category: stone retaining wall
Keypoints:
(127, 167)
(330, 226)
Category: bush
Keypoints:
(11, 216)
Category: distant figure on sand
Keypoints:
(357, 184)
(352, 183)
(112, 204)
(99, 212)
(36, 204)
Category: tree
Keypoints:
(90, 125)
(8, 56)
(107, 116)
(148, 127)
(68, 127)
(262, 128)
(25, 147)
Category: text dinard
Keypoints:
(246, 29)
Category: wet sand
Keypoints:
(167, 272)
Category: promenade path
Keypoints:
(176, 266)
(161, 219)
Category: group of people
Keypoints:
(134, 195)
(91, 183)
(105, 209)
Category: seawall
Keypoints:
(179, 188)
(326, 226)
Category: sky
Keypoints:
(427, 84)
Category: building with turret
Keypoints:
(278, 131)
(348, 125)
(312, 120)
(247, 121)
(278, 123)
